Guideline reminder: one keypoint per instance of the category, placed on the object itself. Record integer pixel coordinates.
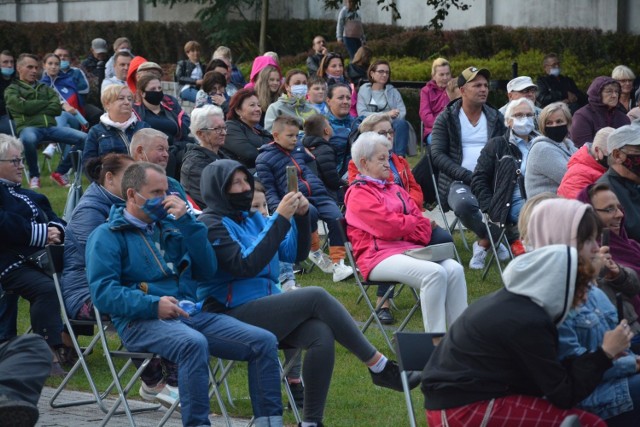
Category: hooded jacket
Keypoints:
(288, 106)
(547, 164)
(247, 245)
(433, 99)
(582, 170)
(195, 160)
(506, 343)
(596, 115)
(258, 64)
(32, 105)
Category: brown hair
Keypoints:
(280, 122)
(589, 227)
(143, 81)
(315, 125)
(211, 78)
(265, 96)
(96, 168)
(236, 101)
(191, 45)
(373, 67)
(362, 57)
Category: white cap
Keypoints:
(520, 83)
(624, 135)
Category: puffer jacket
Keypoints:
(194, 161)
(104, 139)
(271, 166)
(129, 270)
(91, 212)
(325, 159)
(382, 221)
(247, 245)
(433, 99)
(32, 106)
(582, 332)
(242, 142)
(298, 108)
(596, 115)
(582, 170)
(446, 145)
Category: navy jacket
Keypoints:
(104, 139)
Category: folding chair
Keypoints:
(493, 255)
(413, 350)
(75, 191)
(364, 285)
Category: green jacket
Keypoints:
(35, 106)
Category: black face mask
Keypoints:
(556, 133)
(241, 201)
(604, 162)
(153, 98)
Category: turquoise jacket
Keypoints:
(129, 270)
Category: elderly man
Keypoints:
(121, 68)
(319, 51)
(554, 87)
(586, 165)
(521, 87)
(149, 256)
(623, 176)
(34, 107)
(459, 134)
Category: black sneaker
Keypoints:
(17, 413)
(385, 316)
(297, 390)
(390, 377)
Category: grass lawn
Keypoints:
(352, 400)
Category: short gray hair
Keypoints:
(144, 136)
(366, 145)
(135, 176)
(622, 72)
(513, 104)
(200, 117)
(8, 142)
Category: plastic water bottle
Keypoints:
(190, 307)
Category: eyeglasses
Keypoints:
(528, 90)
(219, 130)
(384, 72)
(610, 209)
(523, 115)
(15, 162)
(389, 132)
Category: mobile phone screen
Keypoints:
(292, 179)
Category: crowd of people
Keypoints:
(216, 203)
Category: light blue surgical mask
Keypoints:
(64, 65)
(299, 91)
(7, 72)
(554, 71)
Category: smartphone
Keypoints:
(604, 239)
(292, 179)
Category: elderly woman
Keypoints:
(498, 179)
(27, 224)
(380, 96)
(550, 152)
(293, 102)
(207, 125)
(623, 75)
(117, 125)
(433, 96)
(244, 133)
(604, 109)
(383, 223)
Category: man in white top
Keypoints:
(459, 134)
(522, 87)
(122, 60)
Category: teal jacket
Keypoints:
(129, 270)
(32, 106)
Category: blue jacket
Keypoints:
(248, 246)
(104, 139)
(91, 212)
(582, 332)
(129, 270)
(271, 166)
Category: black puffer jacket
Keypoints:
(446, 145)
(195, 160)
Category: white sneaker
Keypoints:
(149, 393)
(503, 253)
(49, 151)
(34, 183)
(168, 396)
(479, 255)
(289, 285)
(322, 260)
(341, 271)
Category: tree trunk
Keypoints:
(263, 26)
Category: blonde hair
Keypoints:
(527, 208)
(222, 52)
(371, 121)
(265, 96)
(622, 72)
(111, 93)
(549, 110)
(439, 62)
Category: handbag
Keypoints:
(39, 259)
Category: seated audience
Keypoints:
(339, 102)
(623, 75)
(293, 102)
(317, 94)
(383, 223)
(210, 130)
(68, 96)
(95, 62)
(213, 91)
(604, 110)
(333, 71)
(500, 359)
(358, 68)
(586, 165)
(248, 248)
(189, 72)
(7, 76)
(380, 96)
(433, 96)
(222, 66)
(623, 176)
(236, 79)
(554, 87)
(122, 44)
(121, 68)
(319, 50)
(259, 63)
(522, 87)
(550, 152)
(268, 89)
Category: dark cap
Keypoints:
(470, 73)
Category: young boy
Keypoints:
(317, 94)
(317, 133)
(271, 166)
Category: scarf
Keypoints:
(122, 126)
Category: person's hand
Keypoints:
(394, 113)
(303, 207)
(217, 99)
(69, 109)
(174, 205)
(289, 204)
(168, 308)
(617, 340)
(433, 224)
(572, 97)
(612, 268)
(323, 50)
(54, 236)
(199, 82)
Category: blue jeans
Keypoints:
(32, 136)
(352, 44)
(325, 208)
(7, 126)
(401, 140)
(465, 205)
(189, 94)
(286, 272)
(68, 120)
(189, 342)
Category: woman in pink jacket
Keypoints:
(433, 96)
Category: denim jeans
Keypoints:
(465, 205)
(352, 44)
(189, 94)
(401, 140)
(189, 342)
(67, 120)
(32, 136)
(325, 208)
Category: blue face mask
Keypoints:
(154, 208)
(64, 65)
(7, 71)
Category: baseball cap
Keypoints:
(470, 73)
(149, 66)
(624, 135)
(520, 83)
(99, 45)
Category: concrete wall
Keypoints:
(608, 15)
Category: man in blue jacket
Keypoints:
(149, 256)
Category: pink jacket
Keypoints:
(582, 170)
(433, 99)
(258, 64)
(382, 221)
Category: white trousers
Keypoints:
(443, 289)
